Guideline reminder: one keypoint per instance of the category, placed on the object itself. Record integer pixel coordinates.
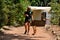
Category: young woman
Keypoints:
(28, 18)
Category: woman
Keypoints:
(28, 18)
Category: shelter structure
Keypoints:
(39, 14)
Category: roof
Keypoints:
(45, 9)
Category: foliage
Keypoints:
(11, 11)
(40, 2)
(55, 11)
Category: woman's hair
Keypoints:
(28, 9)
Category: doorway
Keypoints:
(39, 18)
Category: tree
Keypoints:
(11, 11)
(40, 2)
(56, 14)
(1, 14)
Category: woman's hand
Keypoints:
(27, 15)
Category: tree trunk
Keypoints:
(59, 20)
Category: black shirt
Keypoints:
(29, 13)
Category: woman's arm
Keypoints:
(32, 18)
(25, 14)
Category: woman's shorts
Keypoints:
(28, 20)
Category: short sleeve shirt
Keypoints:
(29, 13)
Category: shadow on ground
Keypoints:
(4, 36)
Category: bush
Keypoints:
(12, 12)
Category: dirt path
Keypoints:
(16, 33)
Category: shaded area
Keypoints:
(12, 37)
(6, 29)
(1, 33)
(4, 36)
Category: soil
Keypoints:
(17, 33)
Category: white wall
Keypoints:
(37, 14)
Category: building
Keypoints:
(39, 14)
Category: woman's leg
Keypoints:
(25, 28)
(34, 30)
(28, 26)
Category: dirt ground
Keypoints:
(17, 33)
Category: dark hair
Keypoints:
(28, 9)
